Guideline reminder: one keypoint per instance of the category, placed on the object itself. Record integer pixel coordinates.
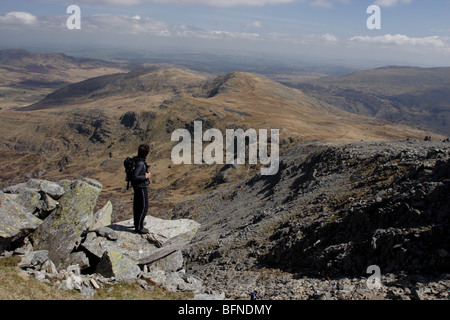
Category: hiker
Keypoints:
(139, 182)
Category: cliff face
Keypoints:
(331, 211)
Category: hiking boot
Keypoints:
(142, 231)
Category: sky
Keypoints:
(413, 32)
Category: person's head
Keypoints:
(143, 150)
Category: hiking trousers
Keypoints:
(140, 207)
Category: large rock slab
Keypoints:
(102, 217)
(63, 227)
(165, 238)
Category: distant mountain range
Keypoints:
(27, 77)
(419, 96)
(22, 68)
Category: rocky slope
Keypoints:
(331, 211)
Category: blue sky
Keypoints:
(412, 31)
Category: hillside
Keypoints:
(27, 76)
(311, 231)
(418, 96)
(88, 128)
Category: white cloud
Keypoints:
(327, 37)
(402, 40)
(18, 18)
(123, 24)
(391, 3)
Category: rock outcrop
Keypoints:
(61, 229)
(15, 221)
(61, 240)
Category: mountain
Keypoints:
(419, 96)
(335, 206)
(88, 128)
(155, 80)
(28, 76)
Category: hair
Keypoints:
(143, 150)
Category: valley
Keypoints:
(418, 96)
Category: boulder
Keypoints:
(48, 203)
(30, 198)
(63, 227)
(16, 221)
(173, 262)
(114, 264)
(50, 188)
(54, 190)
(103, 216)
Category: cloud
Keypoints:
(123, 24)
(326, 3)
(18, 18)
(212, 3)
(391, 3)
(402, 40)
(308, 40)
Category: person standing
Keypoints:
(140, 181)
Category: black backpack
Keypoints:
(130, 165)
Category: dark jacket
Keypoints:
(138, 179)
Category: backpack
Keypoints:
(130, 165)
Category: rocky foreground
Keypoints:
(309, 232)
(312, 230)
(52, 226)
